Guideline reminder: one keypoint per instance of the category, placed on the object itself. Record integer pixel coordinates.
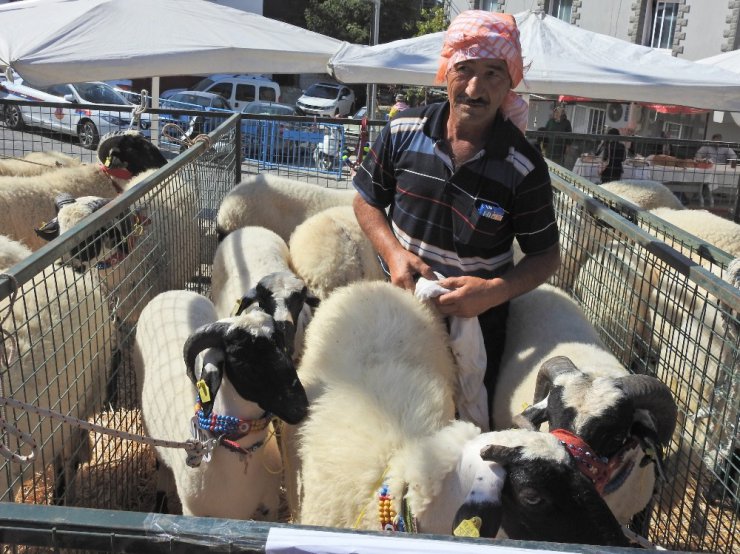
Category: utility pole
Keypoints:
(373, 89)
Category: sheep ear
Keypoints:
(312, 300)
(502, 455)
(244, 302)
(48, 231)
(533, 416)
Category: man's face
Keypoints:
(477, 88)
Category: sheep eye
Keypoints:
(531, 497)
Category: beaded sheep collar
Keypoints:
(231, 428)
(598, 469)
(389, 519)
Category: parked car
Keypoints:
(266, 135)
(238, 90)
(87, 125)
(195, 100)
(327, 99)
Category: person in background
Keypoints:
(399, 106)
(461, 182)
(558, 123)
(613, 153)
(714, 152)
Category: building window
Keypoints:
(595, 124)
(663, 27)
(676, 130)
(490, 5)
(562, 9)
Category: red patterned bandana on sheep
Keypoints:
(478, 34)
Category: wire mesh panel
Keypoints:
(658, 297)
(68, 313)
(664, 314)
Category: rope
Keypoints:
(16, 158)
(197, 449)
(183, 139)
(137, 110)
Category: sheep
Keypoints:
(275, 202)
(59, 340)
(25, 201)
(378, 361)
(554, 357)
(717, 231)
(252, 264)
(330, 250)
(579, 238)
(182, 350)
(11, 252)
(647, 195)
(36, 163)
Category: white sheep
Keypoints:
(252, 264)
(36, 163)
(592, 394)
(647, 195)
(378, 362)
(11, 252)
(59, 347)
(711, 228)
(239, 371)
(28, 202)
(330, 250)
(275, 202)
(582, 236)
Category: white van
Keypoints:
(238, 90)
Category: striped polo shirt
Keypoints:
(459, 222)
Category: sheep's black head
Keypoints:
(255, 362)
(283, 296)
(603, 411)
(544, 496)
(129, 150)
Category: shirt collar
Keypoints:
(436, 123)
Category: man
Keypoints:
(399, 106)
(461, 182)
(558, 123)
(715, 153)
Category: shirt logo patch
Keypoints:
(491, 211)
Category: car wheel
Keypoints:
(13, 118)
(88, 134)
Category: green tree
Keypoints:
(289, 11)
(352, 20)
(433, 20)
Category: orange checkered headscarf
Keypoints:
(479, 34)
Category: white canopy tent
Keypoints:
(728, 61)
(59, 41)
(563, 59)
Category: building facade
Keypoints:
(690, 29)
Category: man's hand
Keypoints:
(470, 296)
(406, 268)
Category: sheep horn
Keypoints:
(206, 336)
(649, 393)
(550, 369)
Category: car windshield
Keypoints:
(192, 99)
(322, 91)
(268, 109)
(99, 93)
(203, 84)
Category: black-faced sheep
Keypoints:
(59, 342)
(378, 361)
(36, 163)
(252, 265)
(275, 202)
(330, 250)
(240, 372)
(27, 202)
(555, 359)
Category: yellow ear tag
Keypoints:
(469, 527)
(237, 305)
(107, 162)
(205, 394)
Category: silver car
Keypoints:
(86, 124)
